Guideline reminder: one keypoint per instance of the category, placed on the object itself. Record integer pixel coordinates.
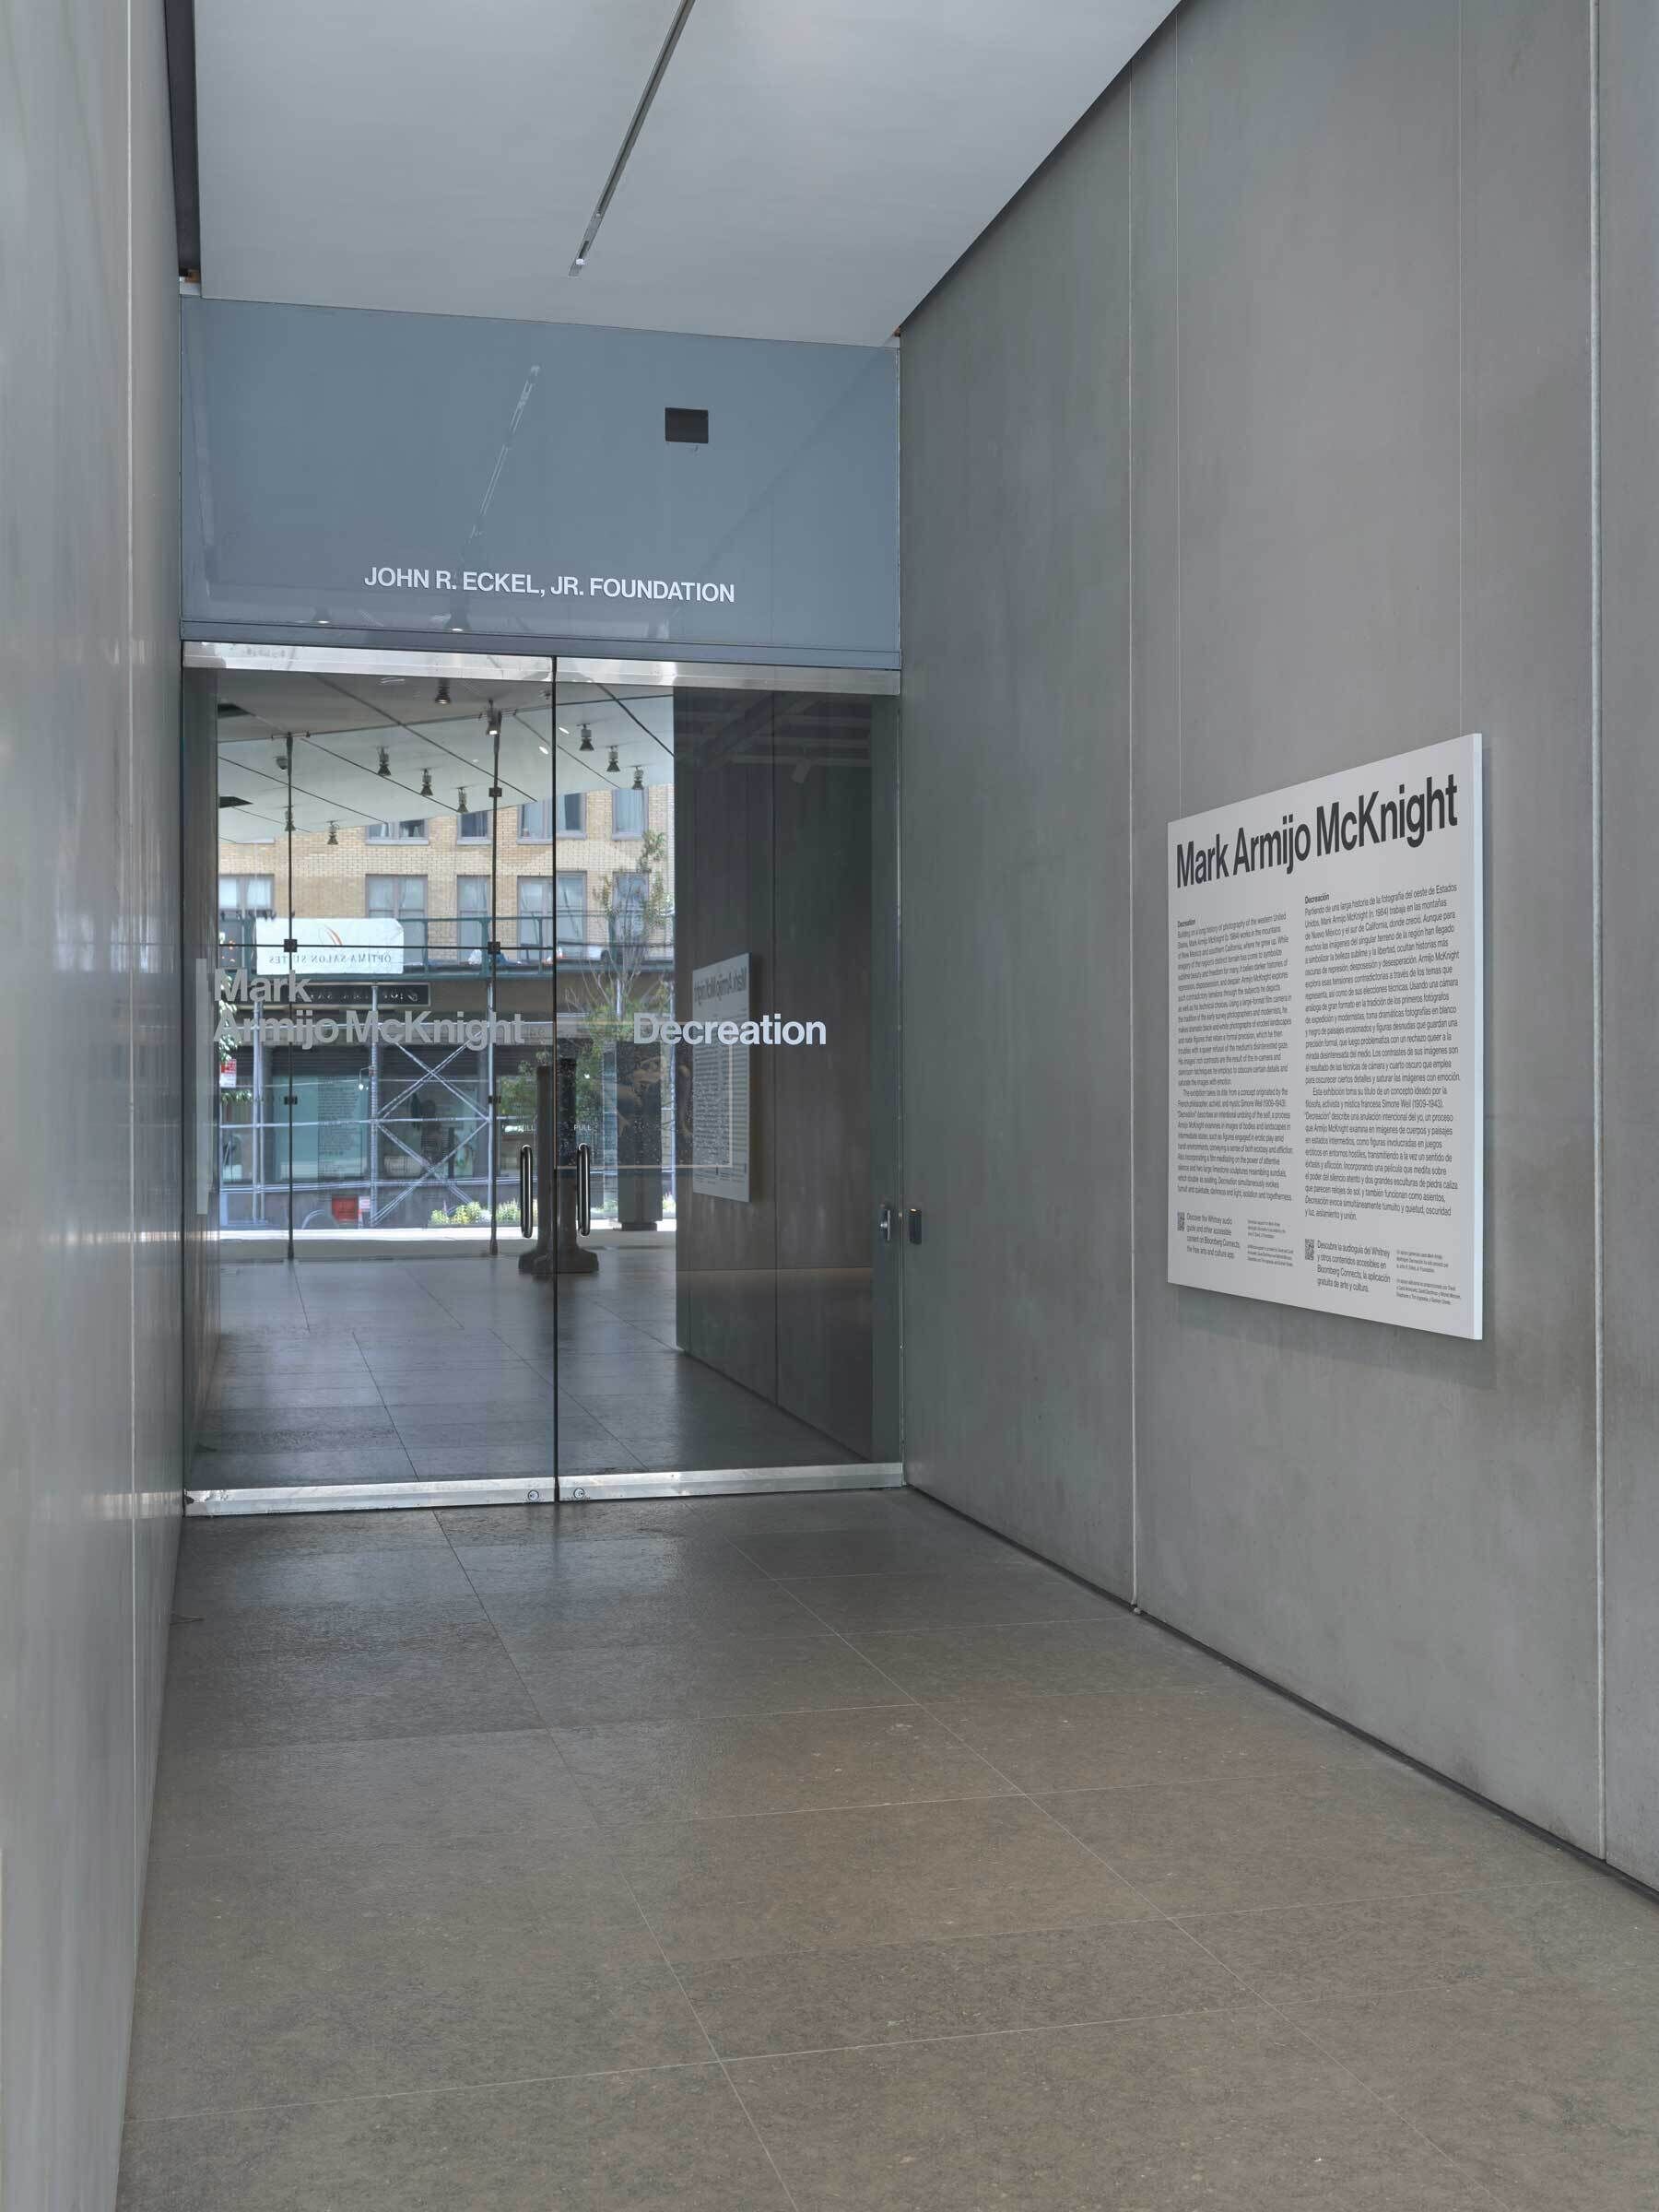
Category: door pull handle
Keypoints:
(526, 1190)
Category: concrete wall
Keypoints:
(1255, 442)
(1015, 725)
(90, 1116)
(1630, 114)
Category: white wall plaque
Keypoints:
(720, 1081)
(1326, 1025)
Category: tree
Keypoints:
(637, 905)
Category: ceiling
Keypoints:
(340, 728)
(805, 171)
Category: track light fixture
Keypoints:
(639, 783)
(492, 721)
(587, 740)
(440, 697)
(385, 763)
(630, 137)
(612, 767)
(426, 782)
(334, 835)
(461, 805)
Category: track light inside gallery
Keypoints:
(440, 697)
(385, 763)
(461, 805)
(587, 740)
(492, 721)
(334, 835)
(426, 782)
(639, 782)
(612, 767)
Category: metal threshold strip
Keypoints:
(574, 1490)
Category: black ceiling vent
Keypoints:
(685, 426)
(225, 802)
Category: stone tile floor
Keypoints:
(822, 1854)
(445, 1370)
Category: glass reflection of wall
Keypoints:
(785, 822)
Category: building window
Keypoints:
(472, 913)
(401, 898)
(573, 814)
(472, 828)
(572, 909)
(535, 822)
(249, 895)
(629, 895)
(243, 900)
(398, 833)
(628, 813)
(536, 913)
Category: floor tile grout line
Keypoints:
(1007, 2034)
(540, 1727)
(436, 2089)
(712, 1719)
(386, 1409)
(617, 1831)
(743, 2107)
(716, 2057)
(1387, 2104)
(702, 2029)
(668, 1964)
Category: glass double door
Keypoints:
(554, 1035)
(727, 1037)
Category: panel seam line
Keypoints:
(1597, 892)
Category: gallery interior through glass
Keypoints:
(555, 1017)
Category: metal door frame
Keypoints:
(207, 1502)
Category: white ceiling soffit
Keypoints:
(805, 172)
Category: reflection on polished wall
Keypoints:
(784, 831)
(91, 1474)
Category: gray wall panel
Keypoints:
(1347, 447)
(1354, 358)
(92, 1477)
(1631, 1067)
(1015, 470)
